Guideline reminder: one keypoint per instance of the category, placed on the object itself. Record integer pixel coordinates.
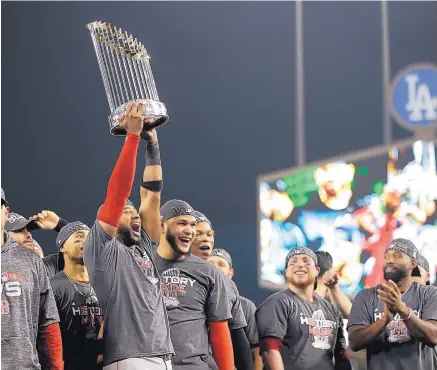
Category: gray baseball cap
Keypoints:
(301, 250)
(17, 222)
(175, 208)
(405, 246)
(63, 235)
(223, 254)
(200, 217)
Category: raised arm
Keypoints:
(122, 178)
(151, 187)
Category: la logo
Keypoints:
(421, 105)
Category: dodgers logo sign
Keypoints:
(414, 96)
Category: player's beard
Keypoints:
(171, 239)
(80, 261)
(396, 275)
(125, 237)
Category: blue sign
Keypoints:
(414, 96)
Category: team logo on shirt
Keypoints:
(11, 287)
(146, 266)
(396, 330)
(90, 315)
(321, 330)
(173, 285)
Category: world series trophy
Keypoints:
(127, 76)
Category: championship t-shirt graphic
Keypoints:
(396, 330)
(147, 267)
(11, 287)
(174, 285)
(321, 331)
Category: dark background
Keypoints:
(226, 71)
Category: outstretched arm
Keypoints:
(151, 187)
(122, 178)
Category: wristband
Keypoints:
(409, 315)
(153, 156)
(61, 224)
(152, 185)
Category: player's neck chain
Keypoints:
(89, 290)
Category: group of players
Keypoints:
(139, 290)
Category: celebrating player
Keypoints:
(28, 308)
(121, 269)
(297, 329)
(194, 294)
(78, 307)
(203, 246)
(396, 322)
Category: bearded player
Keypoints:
(223, 261)
(119, 259)
(396, 322)
(194, 294)
(299, 330)
(203, 245)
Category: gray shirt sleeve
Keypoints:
(237, 321)
(249, 309)
(51, 264)
(429, 310)
(272, 317)
(216, 307)
(48, 312)
(360, 314)
(99, 252)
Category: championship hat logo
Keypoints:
(413, 96)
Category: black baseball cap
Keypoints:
(404, 246)
(17, 222)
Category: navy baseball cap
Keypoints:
(175, 208)
(63, 235)
(17, 222)
(422, 262)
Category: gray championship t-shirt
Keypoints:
(310, 331)
(396, 348)
(27, 305)
(127, 285)
(194, 294)
(249, 310)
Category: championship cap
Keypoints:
(405, 246)
(175, 208)
(299, 251)
(200, 217)
(63, 235)
(223, 254)
(17, 222)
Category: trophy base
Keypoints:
(154, 115)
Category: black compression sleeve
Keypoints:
(242, 352)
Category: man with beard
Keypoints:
(396, 322)
(30, 334)
(298, 330)
(194, 294)
(223, 261)
(203, 246)
(119, 259)
(78, 307)
(20, 229)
